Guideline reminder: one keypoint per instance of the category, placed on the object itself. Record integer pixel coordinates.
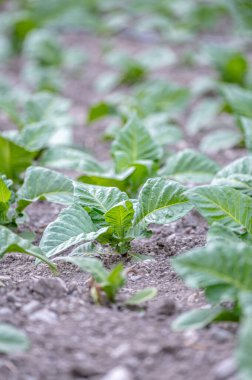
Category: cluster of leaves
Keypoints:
(109, 216)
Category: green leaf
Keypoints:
(160, 201)
(216, 264)
(5, 197)
(244, 349)
(41, 183)
(98, 198)
(10, 242)
(101, 110)
(238, 174)
(14, 159)
(160, 96)
(223, 204)
(203, 115)
(142, 296)
(120, 217)
(239, 99)
(12, 339)
(166, 134)
(245, 301)
(36, 136)
(220, 140)
(48, 107)
(197, 319)
(134, 143)
(72, 226)
(231, 65)
(220, 233)
(108, 179)
(246, 127)
(43, 48)
(71, 159)
(115, 280)
(5, 193)
(162, 130)
(189, 166)
(90, 265)
(86, 249)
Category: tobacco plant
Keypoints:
(109, 216)
(105, 284)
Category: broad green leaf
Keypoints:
(238, 174)
(12, 339)
(166, 134)
(101, 110)
(131, 72)
(10, 242)
(120, 217)
(220, 233)
(189, 166)
(245, 301)
(241, 166)
(41, 183)
(9, 106)
(162, 130)
(14, 159)
(98, 198)
(141, 296)
(86, 249)
(36, 136)
(160, 201)
(49, 107)
(244, 349)
(239, 99)
(217, 264)
(223, 204)
(70, 158)
(5, 196)
(246, 127)
(108, 179)
(160, 96)
(141, 171)
(72, 226)
(232, 65)
(203, 115)
(90, 265)
(197, 319)
(242, 12)
(219, 140)
(5, 193)
(133, 144)
(43, 48)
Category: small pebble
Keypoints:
(44, 315)
(49, 287)
(31, 307)
(118, 373)
(225, 369)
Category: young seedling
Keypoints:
(105, 284)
